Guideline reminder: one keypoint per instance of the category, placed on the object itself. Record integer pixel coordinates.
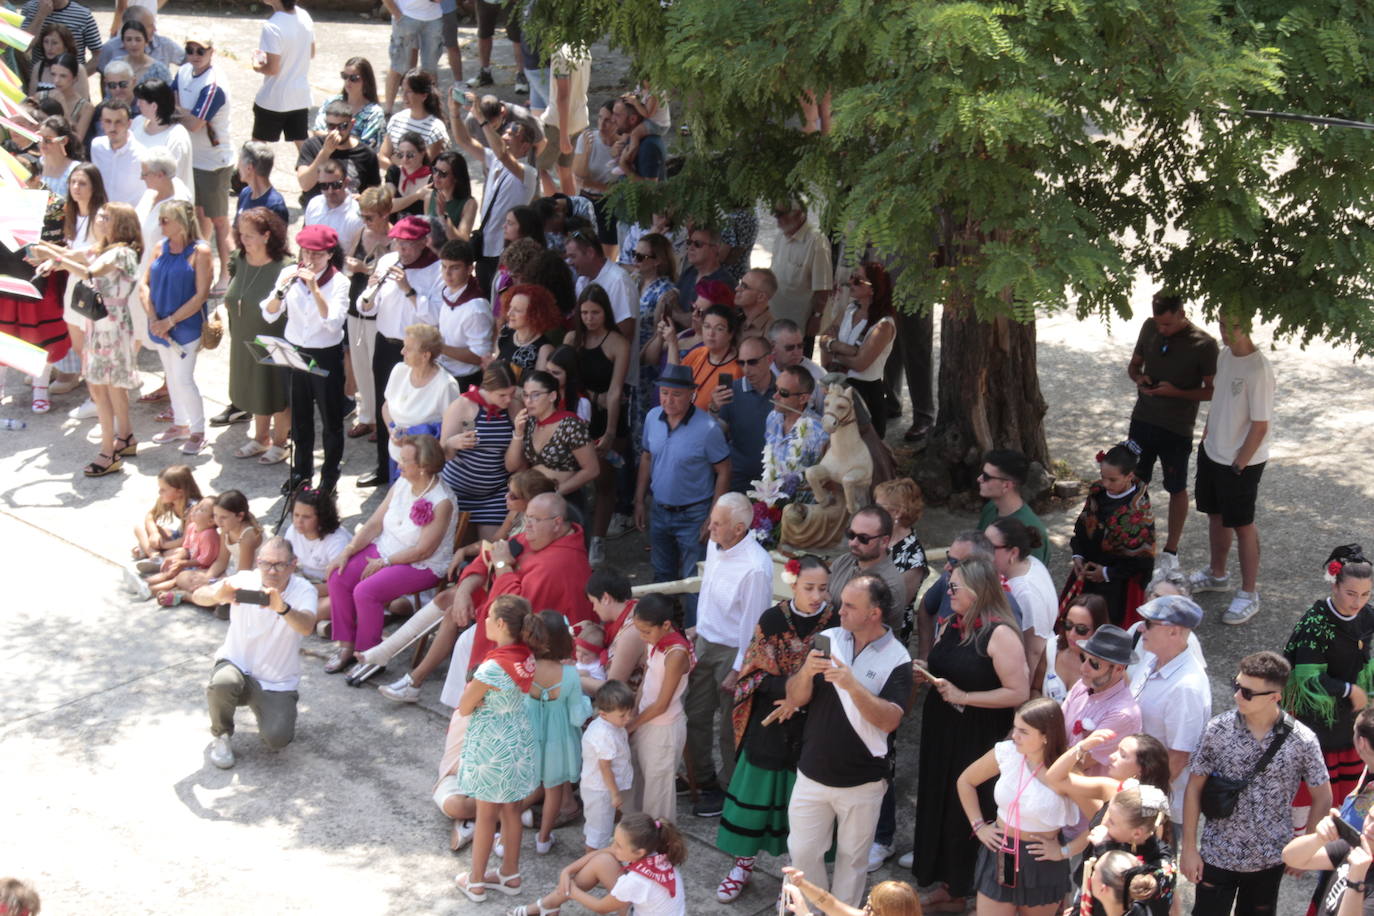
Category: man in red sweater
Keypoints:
(546, 564)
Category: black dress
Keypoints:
(946, 850)
(597, 370)
(1117, 532)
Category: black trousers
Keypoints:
(1253, 893)
(326, 392)
(913, 355)
(486, 268)
(386, 355)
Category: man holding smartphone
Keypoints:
(271, 609)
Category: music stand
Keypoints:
(282, 354)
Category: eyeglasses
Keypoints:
(985, 477)
(698, 243)
(329, 185)
(790, 347)
(1092, 662)
(865, 539)
(267, 566)
(752, 362)
(407, 155)
(117, 84)
(350, 77)
(1082, 629)
(532, 519)
(440, 174)
(955, 588)
(640, 256)
(537, 393)
(195, 50)
(1246, 693)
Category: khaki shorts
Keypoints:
(212, 190)
(550, 157)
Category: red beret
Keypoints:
(317, 238)
(715, 292)
(412, 228)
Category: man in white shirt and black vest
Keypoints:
(856, 685)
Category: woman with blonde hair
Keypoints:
(174, 289)
(903, 500)
(419, 390)
(888, 898)
(977, 668)
(108, 357)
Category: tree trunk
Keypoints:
(989, 398)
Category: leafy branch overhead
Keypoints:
(1039, 155)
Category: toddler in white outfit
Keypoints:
(607, 771)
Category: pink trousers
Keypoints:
(357, 604)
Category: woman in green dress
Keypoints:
(261, 390)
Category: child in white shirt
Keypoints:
(606, 768)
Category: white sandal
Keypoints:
(250, 449)
(501, 885)
(274, 455)
(469, 889)
(524, 909)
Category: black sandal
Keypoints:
(128, 449)
(100, 470)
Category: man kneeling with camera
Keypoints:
(271, 609)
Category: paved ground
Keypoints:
(112, 804)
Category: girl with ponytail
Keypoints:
(1117, 884)
(499, 762)
(639, 869)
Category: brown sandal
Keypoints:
(100, 470)
(128, 449)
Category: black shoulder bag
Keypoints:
(87, 302)
(1220, 793)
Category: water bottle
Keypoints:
(9, 423)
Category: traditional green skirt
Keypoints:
(755, 816)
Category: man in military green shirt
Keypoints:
(1004, 474)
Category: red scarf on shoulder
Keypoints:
(674, 638)
(474, 394)
(614, 628)
(657, 869)
(516, 660)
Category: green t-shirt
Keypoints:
(1028, 518)
(1184, 360)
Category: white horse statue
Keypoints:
(847, 461)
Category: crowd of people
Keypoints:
(541, 377)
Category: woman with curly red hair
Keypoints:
(858, 343)
(531, 313)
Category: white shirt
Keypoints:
(119, 169)
(177, 140)
(292, 36)
(1039, 601)
(467, 325)
(502, 193)
(399, 531)
(206, 97)
(1175, 705)
(578, 70)
(395, 310)
(620, 288)
(736, 587)
(410, 406)
(345, 219)
(423, 10)
(604, 741)
(259, 641)
(304, 325)
(649, 897)
(314, 557)
(1242, 392)
(147, 212)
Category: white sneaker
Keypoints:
(621, 525)
(1165, 563)
(596, 553)
(1243, 606)
(221, 754)
(84, 411)
(907, 859)
(135, 585)
(1204, 581)
(541, 847)
(400, 690)
(527, 818)
(466, 830)
(877, 855)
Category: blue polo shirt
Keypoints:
(682, 471)
(746, 417)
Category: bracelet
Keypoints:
(1362, 887)
(979, 825)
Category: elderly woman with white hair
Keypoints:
(159, 171)
(174, 289)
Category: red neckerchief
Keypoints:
(600, 651)
(555, 417)
(516, 660)
(467, 294)
(474, 394)
(674, 638)
(328, 275)
(612, 629)
(657, 869)
(410, 178)
(426, 258)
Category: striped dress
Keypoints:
(477, 477)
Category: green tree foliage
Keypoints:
(1036, 155)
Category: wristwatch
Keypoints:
(285, 609)
(500, 566)
(1362, 886)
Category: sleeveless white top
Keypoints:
(399, 532)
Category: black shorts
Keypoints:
(1221, 491)
(488, 15)
(269, 126)
(1170, 448)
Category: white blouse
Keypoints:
(314, 557)
(1041, 809)
(854, 332)
(410, 406)
(304, 325)
(399, 531)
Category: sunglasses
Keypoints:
(864, 539)
(752, 362)
(117, 84)
(1082, 629)
(1092, 662)
(790, 347)
(329, 185)
(698, 243)
(985, 477)
(784, 393)
(1248, 694)
(194, 50)
(338, 125)
(951, 562)
(438, 173)
(640, 256)
(407, 155)
(351, 77)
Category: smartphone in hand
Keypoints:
(251, 596)
(822, 645)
